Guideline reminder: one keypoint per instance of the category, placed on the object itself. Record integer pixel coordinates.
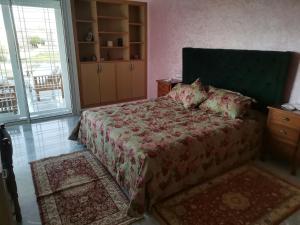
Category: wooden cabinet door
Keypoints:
(124, 81)
(89, 84)
(107, 75)
(138, 79)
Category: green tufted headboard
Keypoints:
(258, 74)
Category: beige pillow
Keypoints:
(226, 103)
(189, 95)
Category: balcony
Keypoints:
(8, 98)
(44, 92)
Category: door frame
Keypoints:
(16, 67)
(70, 67)
(71, 54)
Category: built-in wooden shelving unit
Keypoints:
(117, 50)
(122, 23)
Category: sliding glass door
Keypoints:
(12, 100)
(40, 77)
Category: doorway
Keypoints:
(34, 78)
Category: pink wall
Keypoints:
(234, 24)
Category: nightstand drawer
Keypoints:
(164, 88)
(283, 133)
(282, 149)
(162, 93)
(284, 118)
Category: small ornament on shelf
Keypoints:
(89, 37)
(110, 44)
(120, 42)
(94, 58)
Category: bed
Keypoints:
(155, 148)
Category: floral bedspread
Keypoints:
(155, 148)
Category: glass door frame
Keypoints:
(24, 113)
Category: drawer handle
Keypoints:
(283, 132)
(286, 119)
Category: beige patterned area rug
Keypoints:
(245, 196)
(75, 189)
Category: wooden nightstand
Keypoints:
(165, 86)
(283, 133)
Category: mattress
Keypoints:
(155, 148)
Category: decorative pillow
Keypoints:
(175, 92)
(226, 103)
(190, 95)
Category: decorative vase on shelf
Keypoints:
(89, 37)
(120, 42)
(110, 44)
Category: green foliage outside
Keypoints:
(35, 41)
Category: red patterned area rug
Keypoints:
(245, 196)
(75, 189)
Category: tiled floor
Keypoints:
(40, 140)
(33, 142)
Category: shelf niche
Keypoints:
(136, 14)
(87, 52)
(83, 11)
(136, 32)
(105, 25)
(114, 54)
(107, 9)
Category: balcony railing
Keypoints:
(40, 84)
(8, 98)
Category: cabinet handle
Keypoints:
(131, 67)
(283, 132)
(286, 119)
(100, 71)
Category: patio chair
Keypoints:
(8, 98)
(47, 83)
